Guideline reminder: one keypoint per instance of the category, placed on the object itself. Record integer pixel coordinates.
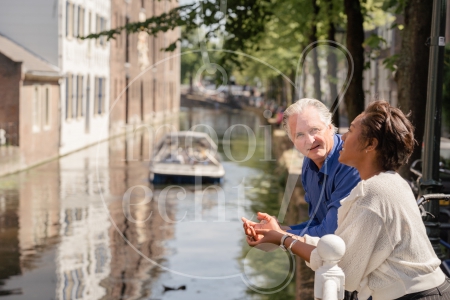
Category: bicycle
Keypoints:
(421, 201)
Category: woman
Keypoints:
(388, 252)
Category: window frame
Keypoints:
(36, 109)
(101, 88)
(76, 18)
(81, 20)
(74, 96)
(46, 107)
(80, 96)
(69, 92)
(69, 19)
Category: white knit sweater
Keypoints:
(388, 252)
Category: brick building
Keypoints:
(152, 75)
(29, 108)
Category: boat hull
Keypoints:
(156, 178)
(186, 158)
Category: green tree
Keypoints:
(412, 67)
(354, 97)
(280, 28)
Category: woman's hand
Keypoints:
(268, 239)
(267, 222)
(271, 239)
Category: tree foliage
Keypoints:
(276, 31)
(238, 22)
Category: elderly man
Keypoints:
(325, 180)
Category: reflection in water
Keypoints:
(9, 247)
(66, 231)
(84, 250)
(29, 213)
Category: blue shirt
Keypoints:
(324, 189)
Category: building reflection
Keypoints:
(84, 253)
(38, 211)
(67, 216)
(29, 224)
(64, 233)
(136, 241)
(9, 254)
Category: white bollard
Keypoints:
(329, 291)
(329, 279)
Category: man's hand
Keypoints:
(266, 222)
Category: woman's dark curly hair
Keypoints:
(393, 131)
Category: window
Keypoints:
(154, 50)
(171, 98)
(69, 19)
(95, 95)
(103, 102)
(127, 42)
(69, 95)
(115, 89)
(76, 20)
(103, 28)
(116, 24)
(97, 28)
(154, 95)
(80, 97)
(80, 21)
(89, 31)
(142, 101)
(99, 103)
(88, 95)
(74, 96)
(100, 26)
(89, 22)
(36, 106)
(88, 104)
(47, 107)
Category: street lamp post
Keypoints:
(429, 182)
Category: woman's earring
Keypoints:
(366, 151)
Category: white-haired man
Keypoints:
(325, 180)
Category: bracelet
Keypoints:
(282, 242)
(292, 244)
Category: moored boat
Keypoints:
(186, 157)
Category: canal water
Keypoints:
(91, 226)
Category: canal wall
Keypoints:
(290, 163)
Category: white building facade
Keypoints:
(84, 109)
(49, 29)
